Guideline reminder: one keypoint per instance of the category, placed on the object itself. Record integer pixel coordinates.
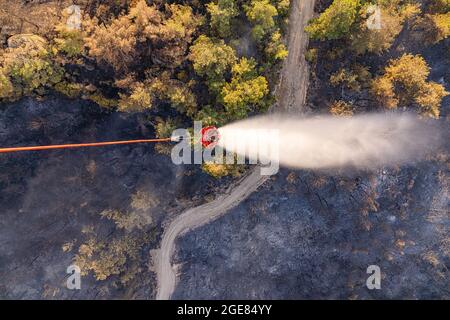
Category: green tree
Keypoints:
(28, 66)
(172, 39)
(261, 14)
(138, 100)
(6, 87)
(164, 129)
(275, 49)
(71, 90)
(102, 101)
(222, 13)
(245, 89)
(212, 58)
(71, 42)
(211, 116)
(335, 22)
(176, 92)
(283, 7)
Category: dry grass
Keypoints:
(143, 200)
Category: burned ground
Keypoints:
(302, 235)
(312, 236)
(51, 200)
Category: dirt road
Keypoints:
(194, 218)
(291, 97)
(295, 74)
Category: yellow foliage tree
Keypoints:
(113, 44)
(71, 42)
(138, 100)
(220, 170)
(376, 40)
(107, 258)
(246, 89)
(341, 108)
(405, 81)
(27, 67)
(436, 27)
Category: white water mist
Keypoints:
(366, 141)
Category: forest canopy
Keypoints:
(137, 55)
(371, 51)
(178, 61)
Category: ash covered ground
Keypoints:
(302, 235)
(310, 236)
(50, 200)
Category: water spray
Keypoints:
(366, 141)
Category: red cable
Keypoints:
(80, 145)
